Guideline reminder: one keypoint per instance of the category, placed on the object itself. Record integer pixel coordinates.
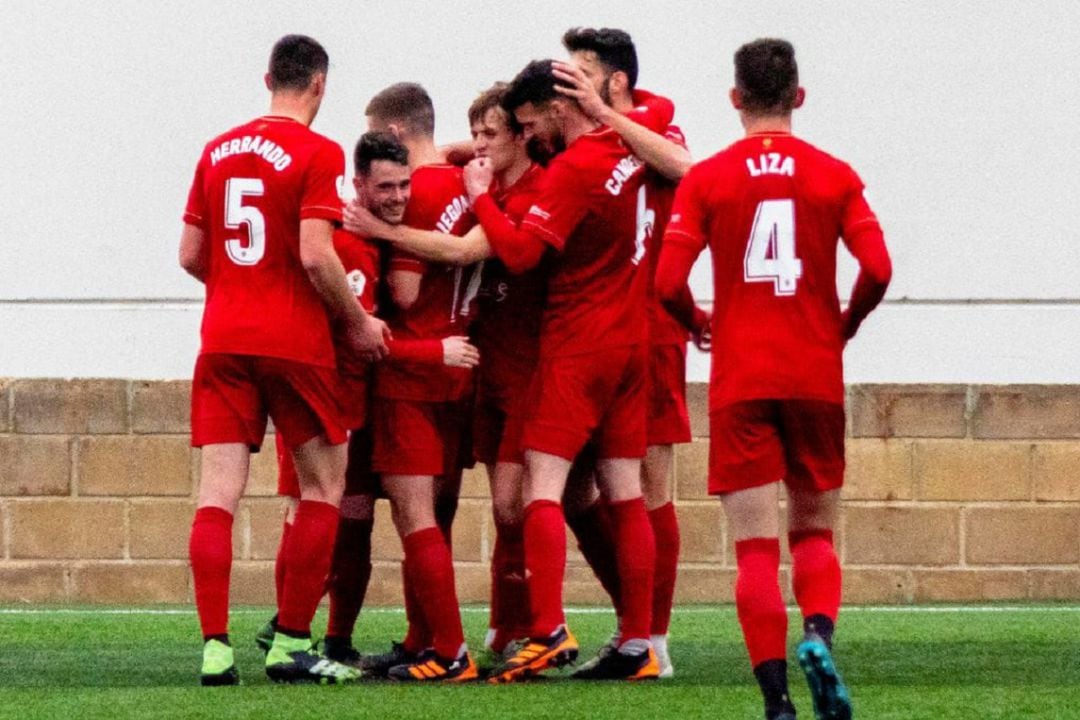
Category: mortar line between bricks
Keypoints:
(74, 456)
(962, 536)
(5, 508)
(969, 411)
(129, 419)
(127, 529)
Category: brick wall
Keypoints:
(953, 493)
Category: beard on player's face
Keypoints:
(542, 151)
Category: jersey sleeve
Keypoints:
(689, 215)
(857, 214)
(321, 199)
(195, 210)
(561, 203)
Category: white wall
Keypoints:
(960, 118)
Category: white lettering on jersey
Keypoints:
(771, 164)
(269, 151)
(453, 212)
(622, 172)
(540, 213)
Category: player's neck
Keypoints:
(293, 106)
(576, 125)
(422, 151)
(754, 124)
(512, 174)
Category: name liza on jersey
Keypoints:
(269, 151)
(771, 164)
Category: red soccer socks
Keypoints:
(758, 600)
(350, 573)
(665, 527)
(596, 539)
(510, 612)
(307, 564)
(636, 558)
(545, 561)
(279, 563)
(431, 577)
(816, 577)
(210, 550)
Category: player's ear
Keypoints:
(357, 185)
(269, 82)
(619, 83)
(395, 130)
(800, 97)
(736, 98)
(318, 84)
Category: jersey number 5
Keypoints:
(770, 254)
(237, 214)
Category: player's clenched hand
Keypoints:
(702, 335)
(576, 85)
(478, 174)
(368, 339)
(358, 219)
(458, 352)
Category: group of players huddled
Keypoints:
(521, 301)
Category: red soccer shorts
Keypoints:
(599, 396)
(232, 395)
(420, 438)
(667, 421)
(757, 442)
(359, 477)
(353, 398)
(497, 428)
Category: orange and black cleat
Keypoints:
(434, 668)
(615, 665)
(537, 655)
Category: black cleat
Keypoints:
(341, 650)
(610, 664)
(379, 665)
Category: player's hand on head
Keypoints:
(478, 175)
(576, 85)
(459, 352)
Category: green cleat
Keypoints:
(295, 660)
(265, 637)
(831, 699)
(218, 665)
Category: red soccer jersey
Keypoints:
(253, 185)
(663, 328)
(772, 207)
(360, 258)
(591, 208)
(438, 202)
(510, 306)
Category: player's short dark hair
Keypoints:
(534, 84)
(492, 99)
(294, 61)
(767, 76)
(614, 48)
(374, 146)
(407, 104)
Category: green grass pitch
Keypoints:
(945, 663)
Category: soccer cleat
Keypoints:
(264, 638)
(341, 650)
(218, 665)
(435, 668)
(659, 643)
(615, 665)
(379, 665)
(606, 649)
(537, 655)
(831, 699)
(295, 660)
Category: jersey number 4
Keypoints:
(237, 214)
(770, 253)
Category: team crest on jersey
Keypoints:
(357, 282)
(536, 210)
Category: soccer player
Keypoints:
(771, 208)
(603, 78)
(382, 186)
(508, 335)
(421, 412)
(258, 232)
